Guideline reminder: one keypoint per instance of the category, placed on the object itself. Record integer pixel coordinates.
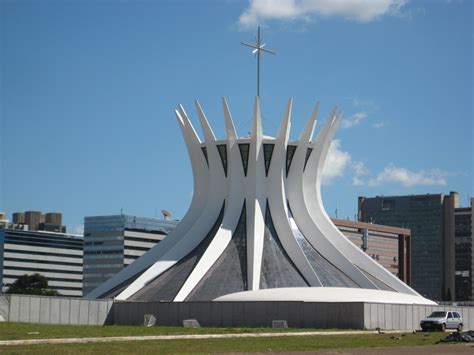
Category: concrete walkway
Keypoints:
(189, 336)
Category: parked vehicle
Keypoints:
(442, 320)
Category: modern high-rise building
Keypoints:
(56, 256)
(389, 246)
(430, 218)
(113, 242)
(3, 220)
(464, 257)
(18, 218)
(36, 221)
(33, 219)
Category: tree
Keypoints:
(35, 284)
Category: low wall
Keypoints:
(399, 316)
(55, 310)
(297, 314)
(243, 314)
(74, 311)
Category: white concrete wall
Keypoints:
(76, 311)
(54, 310)
(393, 316)
(348, 315)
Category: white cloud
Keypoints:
(407, 178)
(359, 168)
(355, 10)
(379, 124)
(357, 181)
(79, 229)
(359, 171)
(353, 120)
(339, 161)
(336, 163)
(365, 104)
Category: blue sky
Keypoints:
(88, 90)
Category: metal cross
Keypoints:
(257, 49)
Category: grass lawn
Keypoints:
(276, 344)
(14, 331)
(10, 331)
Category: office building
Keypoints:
(3, 220)
(113, 242)
(57, 256)
(18, 218)
(36, 221)
(430, 218)
(389, 246)
(464, 260)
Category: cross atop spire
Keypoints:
(258, 50)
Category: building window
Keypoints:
(244, 154)
(267, 154)
(308, 153)
(222, 149)
(290, 152)
(388, 205)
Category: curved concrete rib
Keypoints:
(307, 133)
(200, 178)
(309, 227)
(200, 193)
(313, 199)
(277, 201)
(216, 187)
(235, 185)
(206, 128)
(255, 197)
(229, 123)
(223, 182)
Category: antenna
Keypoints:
(166, 214)
(258, 51)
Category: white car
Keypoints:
(442, 320)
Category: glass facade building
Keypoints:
(464, 253)
(113, 242)
(56, 256)
(430, 218)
